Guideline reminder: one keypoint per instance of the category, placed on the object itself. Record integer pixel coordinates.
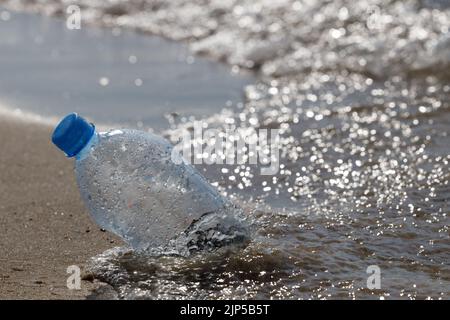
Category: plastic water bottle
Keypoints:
(132, 188)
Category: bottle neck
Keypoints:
(87, 148)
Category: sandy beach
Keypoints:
(44, 226)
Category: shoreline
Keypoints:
(18, 115)
(50, 230)
(146, 79)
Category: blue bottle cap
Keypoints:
(72, 134)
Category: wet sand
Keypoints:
(44, 226)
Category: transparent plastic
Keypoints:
(132, 188)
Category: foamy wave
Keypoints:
(18, 114)
(376, 37)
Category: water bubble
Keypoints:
(5, 15)
(103, 81)
(132, 59)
